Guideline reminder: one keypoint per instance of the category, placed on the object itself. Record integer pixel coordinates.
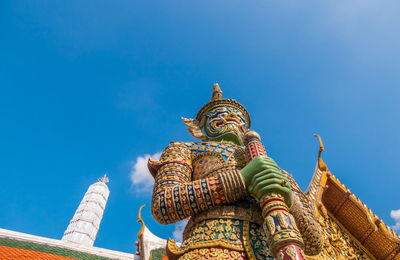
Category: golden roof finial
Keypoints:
(216, 93)
(139, 219)
(104, 179)
(321, 165)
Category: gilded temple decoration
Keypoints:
(350, 229)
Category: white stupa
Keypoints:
(83, 227)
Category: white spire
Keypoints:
(83, 227)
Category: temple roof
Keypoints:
(330, 197)
(16, 245)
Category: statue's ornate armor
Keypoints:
(201, 181)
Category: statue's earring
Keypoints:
(194, 128)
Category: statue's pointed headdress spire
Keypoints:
(216, 93)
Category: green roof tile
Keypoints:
(48, 249)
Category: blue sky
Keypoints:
(87, 88)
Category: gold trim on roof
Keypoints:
(139, 219)
(330, 198)
(321, 165)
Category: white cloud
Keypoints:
(140, 176)
(178, 231)
(395, 214)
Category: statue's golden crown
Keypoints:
(218, 101)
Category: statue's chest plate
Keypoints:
(210, 156)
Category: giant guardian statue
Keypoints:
(239, 202)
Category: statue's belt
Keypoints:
(235, 235)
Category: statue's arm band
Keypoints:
(234, 185)
(175, 198)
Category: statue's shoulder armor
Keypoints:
(175, 152)
(175, 148)
(188, 152)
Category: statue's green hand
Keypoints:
(262, 176)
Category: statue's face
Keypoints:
(225, 123)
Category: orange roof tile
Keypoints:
(16, 253)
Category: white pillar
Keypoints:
(83, 227)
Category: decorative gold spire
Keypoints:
(139, 219)
(321, 165)
(104, 179)
(216, 93)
